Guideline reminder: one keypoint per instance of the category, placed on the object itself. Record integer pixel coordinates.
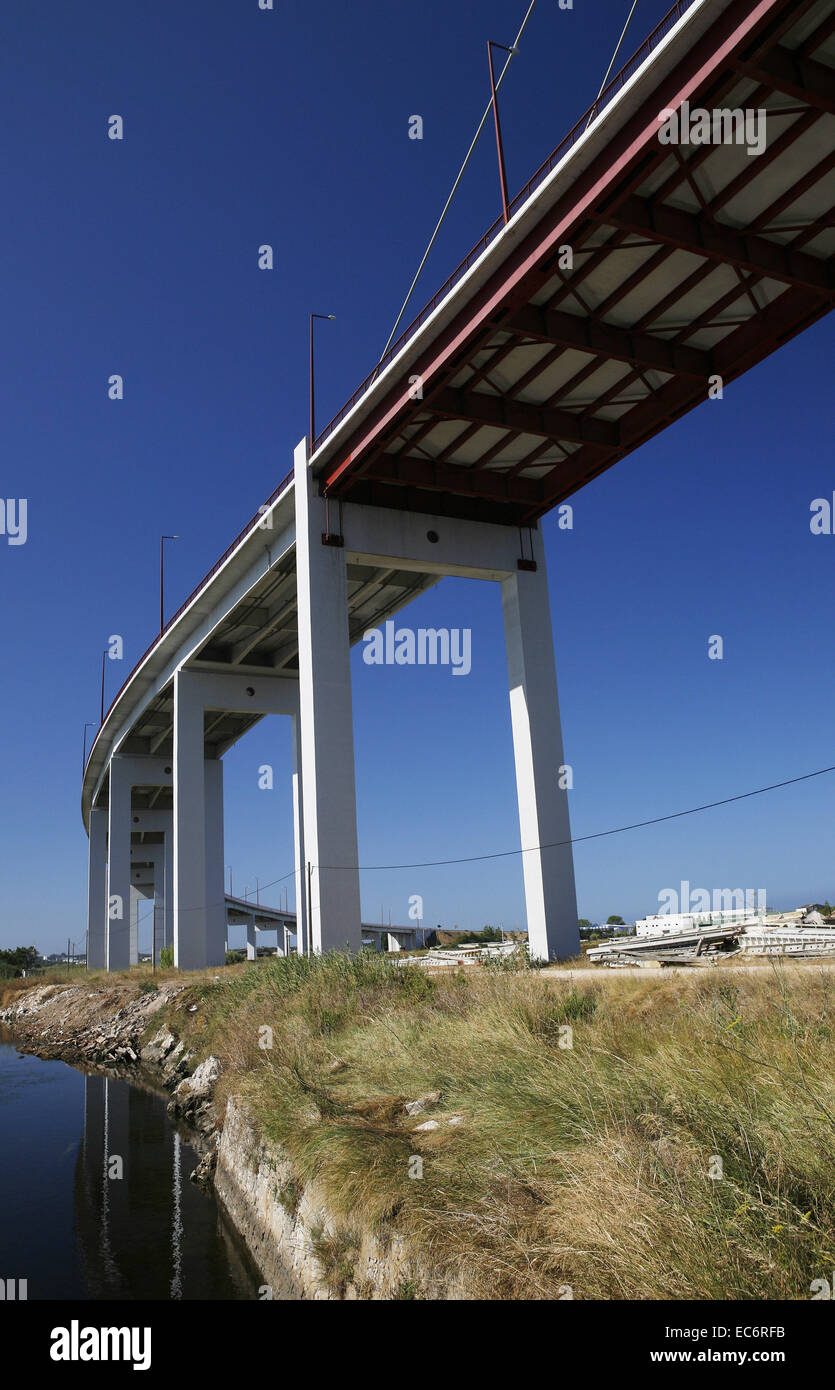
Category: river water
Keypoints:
(95, 1198)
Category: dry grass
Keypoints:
(588, 1165)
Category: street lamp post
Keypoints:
(499, 146)
(312, 396)
(103, 659)
(161, 579)
(88, 725)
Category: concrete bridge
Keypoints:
(151, 881)
(631, 278)
(258, 919)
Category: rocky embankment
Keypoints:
(78, 1025)
(301, 1250)
(109, 1029)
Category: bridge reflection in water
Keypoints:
(149, 1233)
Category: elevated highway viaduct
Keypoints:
(637, 274)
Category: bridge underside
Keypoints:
(690, 262)
(261, 635)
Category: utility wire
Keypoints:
(556, 844)
(598, 835)
(454, 189)
(615, 54)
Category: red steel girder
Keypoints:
(452, 478)
(814, 175)
(787, 316)
(608, 342)
(798, 77)
(520, 417)
(718, 242)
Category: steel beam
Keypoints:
(519, 417)
(454, 478)
(607, 341)
(722, 244)
(802, 78)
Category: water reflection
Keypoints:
(113, 1216)
(142, 1229)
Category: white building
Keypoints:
(672, 923)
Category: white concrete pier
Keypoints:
(329, 809)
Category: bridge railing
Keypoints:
(609, 92)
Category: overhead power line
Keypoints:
(598, 835)
(556, 844)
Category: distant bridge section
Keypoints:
(258, 919)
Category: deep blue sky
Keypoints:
(291, 127)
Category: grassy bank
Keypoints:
(592, 1165)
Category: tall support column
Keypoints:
(147, 883)
(215, 885)
(166, 926)
(135, 898)
(158, 919)
(300, 878)
(327, 733)
(251, 953)
(118, 866)
(190, 920)
(97, 890)
(550, 895)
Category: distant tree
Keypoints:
(615, 922)
(166, 957)
(584, 923)
(477, 938)
(21, 958)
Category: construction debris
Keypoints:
(684, 948)
(801, 934)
